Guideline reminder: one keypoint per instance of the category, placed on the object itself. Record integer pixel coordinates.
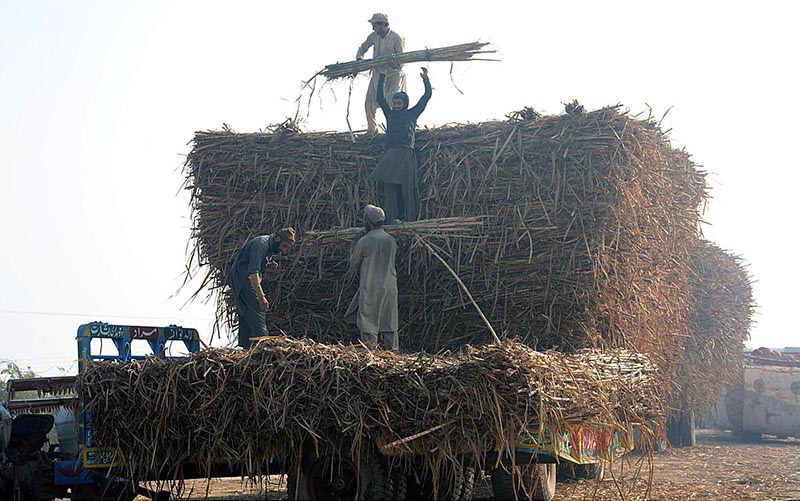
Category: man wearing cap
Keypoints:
(374, 307)
(247, 271)
(384, 42)
(397, 169)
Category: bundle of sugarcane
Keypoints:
(245, 407)
(464, 227)
(463, 52)
(591, 216)
(720, 316)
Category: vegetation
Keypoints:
(11, 370)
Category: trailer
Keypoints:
(80, 467)
(766, 402)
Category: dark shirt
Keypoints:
(401, 125)
(253, 256)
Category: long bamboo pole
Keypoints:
(463, 287)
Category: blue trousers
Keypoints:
(252, 321)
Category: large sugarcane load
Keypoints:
(588, 219)
(543, 299)
(720, 317)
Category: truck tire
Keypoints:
(458, 484)
(535, 481)
(752, 437)
(399, 484)
(681, 430)
(571, 471)
(34, 479)
(334, 475)
(103, 492)
(594, 471)
(468, 490)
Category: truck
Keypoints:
(75, 466)
(80, 468)
(767, 399)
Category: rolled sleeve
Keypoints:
(369, 42)
(257, 253)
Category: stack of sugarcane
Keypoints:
(720, 316)
(244, 407)
(463, 52)
(589, 221)
(428, 228)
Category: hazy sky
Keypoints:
(98, 100)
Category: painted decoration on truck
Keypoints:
(144, 332)
(94, 457)
(175, 333)
(578, 444)
(106, 331)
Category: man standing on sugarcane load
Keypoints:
(398, 168)
(249, 267)
(384, 42)
(374, 307)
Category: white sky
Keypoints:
(98, 100)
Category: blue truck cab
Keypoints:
(77, 467)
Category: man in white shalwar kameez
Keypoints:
(384, 42)
(374, 307)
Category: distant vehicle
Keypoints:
(768, 399)
(76, 467)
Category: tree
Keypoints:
(11, 370)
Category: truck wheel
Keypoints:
(458, 484)
(591, 471)
(681, 430)
(468, 490)
(334, 475)
(100, 492)
(399, 484)
(534, 481)
(572, 471)
(34, 481)
(750, 436)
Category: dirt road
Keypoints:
(720, 467)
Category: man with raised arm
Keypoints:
(398, 168)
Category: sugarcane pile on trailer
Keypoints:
(244, 407)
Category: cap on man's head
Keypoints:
(374, 214)
(379, 18)
(286, 234)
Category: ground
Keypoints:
(719, 467)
